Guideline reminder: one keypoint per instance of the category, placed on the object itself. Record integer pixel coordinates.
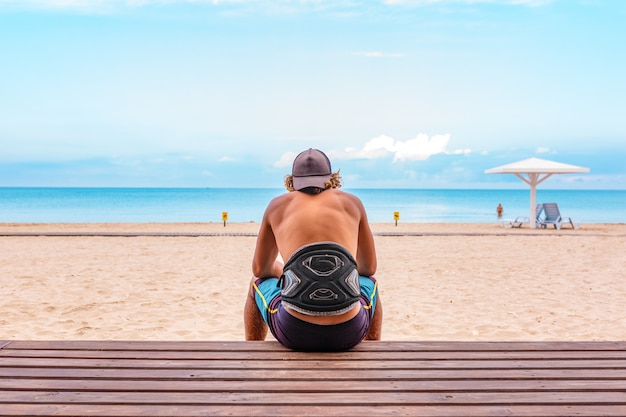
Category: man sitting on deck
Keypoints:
(324, 297)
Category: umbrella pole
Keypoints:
(533, 199)
(534, 180)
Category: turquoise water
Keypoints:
(79, 205)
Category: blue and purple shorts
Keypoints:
(297, 334)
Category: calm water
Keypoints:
(78, 205)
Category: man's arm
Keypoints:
(366, 250)
(264, 263)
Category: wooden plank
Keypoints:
(68, 410)
(278, 386)
(280, 355)
(135, 378)
(184, 363)
(311, 375)
(312, 399)
(386, 346)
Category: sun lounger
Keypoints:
(517, 223)
(553, 217)
(521, 220)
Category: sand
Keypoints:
(437, 281)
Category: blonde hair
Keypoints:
(333, 182)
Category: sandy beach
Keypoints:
(188, 281)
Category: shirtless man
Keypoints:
(324, 297)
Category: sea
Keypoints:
(172, 205)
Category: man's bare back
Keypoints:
(313, 212)
(296, 219)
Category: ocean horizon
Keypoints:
(174, 205)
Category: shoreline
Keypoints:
(218, 228)
(438, 281)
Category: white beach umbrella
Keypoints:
(536, 171)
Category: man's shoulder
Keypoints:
(280, 199)
(296, 195)
(347, 195)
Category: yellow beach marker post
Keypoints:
(396, 216)
(224, 217)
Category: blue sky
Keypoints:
(399, 93)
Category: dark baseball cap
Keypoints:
(311, 168)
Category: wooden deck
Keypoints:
(116, 378)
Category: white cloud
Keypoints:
(293, 6)
(530, 3)
(286, 160)
(542, 149)
(80, 6)
(377, 54)
(411, 174)
(377, 147)
(99, 6)
(419, 148)
(226, 159)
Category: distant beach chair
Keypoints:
(521, 220)
(553, 217)
(518, 222)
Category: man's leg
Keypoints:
(374, 333)
(370, 295)
(255, 326)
